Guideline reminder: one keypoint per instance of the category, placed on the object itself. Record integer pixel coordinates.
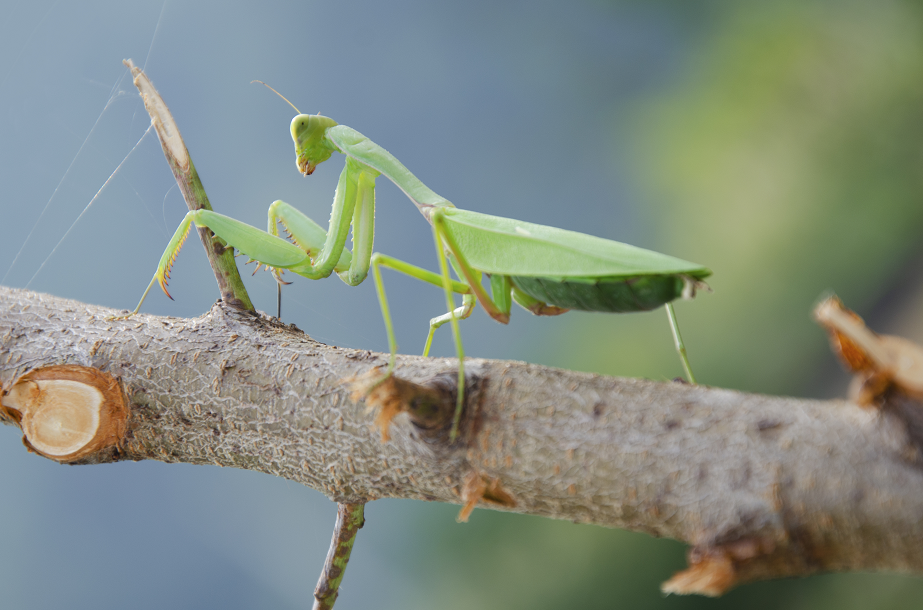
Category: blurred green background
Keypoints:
(780, 143)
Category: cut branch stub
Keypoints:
(879, 361)
(711, 575)
(482, 488)
(67, 412)
(430, 407)
(166, 127)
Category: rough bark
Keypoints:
(772, 486)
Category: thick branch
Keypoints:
(774, 486)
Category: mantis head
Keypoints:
(311, 147)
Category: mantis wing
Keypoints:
(510, 247)
(505, 246)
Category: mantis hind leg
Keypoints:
(497, 307)
(456, 333)
(678, 342)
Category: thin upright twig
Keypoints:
(220, 257)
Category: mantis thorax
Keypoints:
(311, 147)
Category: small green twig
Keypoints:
(350, 517)
(220, 257)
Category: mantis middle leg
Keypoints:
(381, 260)
(451, 287)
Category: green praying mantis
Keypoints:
(546, 270)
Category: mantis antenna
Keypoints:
(278, 284)
(277, 93)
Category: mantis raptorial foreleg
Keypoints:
(355, 193)
(353, 204)
(318, 253)
(268, 249)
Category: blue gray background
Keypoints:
(777, 143)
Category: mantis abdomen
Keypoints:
(642, 293)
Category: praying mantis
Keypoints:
(546, 270)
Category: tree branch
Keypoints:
(761, 486)
(350, 518)
(220, 257)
